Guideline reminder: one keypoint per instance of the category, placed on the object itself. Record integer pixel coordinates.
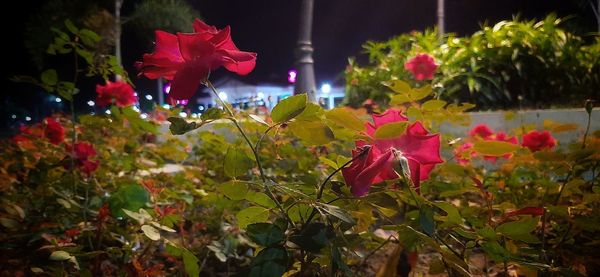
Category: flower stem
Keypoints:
(322, 186)
(256, 156)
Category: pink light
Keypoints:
(182, 102)
(167, 88)
(292, 76)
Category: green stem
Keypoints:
(256, 156)
(322, 186)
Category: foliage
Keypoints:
(508, 65)
(238, 194)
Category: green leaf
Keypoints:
(314, 133)
(251, 215)
(236, 162)
(265, 234)
(60, 256)
(520, 230)
(71, 27)
(234, 190)
(179, 126)
(260, 199)
(270, 262)
(313, 237)
(312, 112)
(50, 77)
(426, 220)
(289, 108)
(212, 114)
(399, 86)
(453, 216)
(190, 263)
(433, 105)
(131, 197)
(345, 118)
(140, 217)
(151, 232)
(495, 148)
(496, 251)
(390, 130)
(488, 233)
(338, 213)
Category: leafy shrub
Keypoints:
(511, 64)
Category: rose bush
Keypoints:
(303, 192)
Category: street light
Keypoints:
(304, 60)
(326, 88)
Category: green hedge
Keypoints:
(511, 64)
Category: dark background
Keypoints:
(269, 27)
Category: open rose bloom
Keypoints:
(115, 93)
(383, 159)
(188, 58)
(422, 66)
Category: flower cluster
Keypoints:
(50, 129)
(115, 93)
(83, 152)
(188, 58)
(379, 159)
(534, 141)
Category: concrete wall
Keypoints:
(506, 121)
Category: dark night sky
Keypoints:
(269, 27)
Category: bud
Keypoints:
(401, 164)
(589, 105)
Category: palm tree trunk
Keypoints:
(118, 5)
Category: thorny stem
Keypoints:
(322, 186)
(256, 156)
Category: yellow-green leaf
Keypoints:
(312, 132)
(417, 94)
(234, 190)
(399, 86)
(346, 118)
(399, 99)
(236, 162)
(433, 105)
(251, 215)
(495, 148)
(289, 108)
(391, 130)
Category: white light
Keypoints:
(326, 88)
(107, 112)
(166, 106)
(260, 95)
(194, 115)
(91, 103)
(27, 118)
(135, 108)
(182, 114)
(143, 116)
(14, 116)
(58, 100)
(201, 108)
(135, 94)
(92, 113)
(148, 96)
(223, 95)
